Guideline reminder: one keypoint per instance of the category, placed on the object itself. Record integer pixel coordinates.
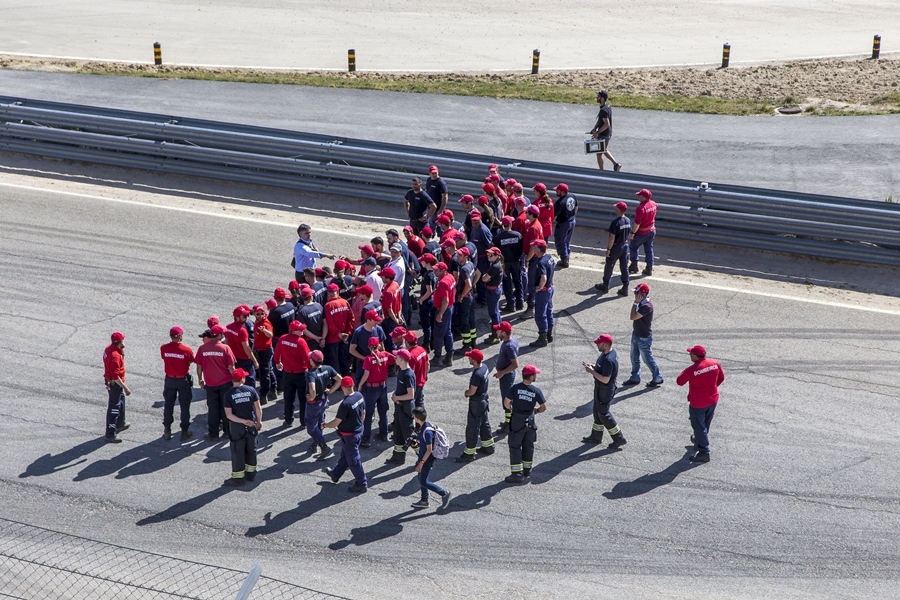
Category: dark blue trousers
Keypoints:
(376, 399)
(350, 458)
(701, 418)
(562, 236)
(443, 335)
(314, 417)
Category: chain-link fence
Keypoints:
(42, 564)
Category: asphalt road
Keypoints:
(434, 35)
(800, 500)
(855, 157)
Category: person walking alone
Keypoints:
(703, 377)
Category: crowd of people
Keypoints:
(407, 304)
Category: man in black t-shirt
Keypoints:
(642, 337)
(244, 415)
(419, 206)
(437, 189)
(510, 243)
(543, 294)
(403, 396)
(349, 423)
(477, 424)
(524, 400)
(604, 374)
(603, 129)
(312, 315)
(617, 250)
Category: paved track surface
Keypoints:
(434, 35)
(799, 502)
(855, 157)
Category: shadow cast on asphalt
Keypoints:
(651, 481)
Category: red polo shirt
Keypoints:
(177, 359)
(113, 363)
(445, 289)
(521, 223)
(292, 353)
(378, 373)
(420, 364)
(260, 340)
(235, 336)
(416, 246)
(704, 378)
(390, 298)
(546, 216)
(214, 358)
(533, 233)
(339, 318)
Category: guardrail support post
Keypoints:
(876, 47)
(726, 54)
(157, 53)
(351, 60)
(535, 61)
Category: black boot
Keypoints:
(465, 458)
(526, 474)
(648, 270)
(326, 452)
(167, 432)
(529, 312)
(563, 263)
(623, 291)
(633, 269)
(447, 361)
(595, 438)
(486, 450)
(541, 341)
(618, 441)
(397, 458)
(602, 288)
(549, 334)
(462, 351)
(515, 478)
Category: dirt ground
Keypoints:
(856, 85)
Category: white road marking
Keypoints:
(710, 286)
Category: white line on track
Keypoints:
(710, 286)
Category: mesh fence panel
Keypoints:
(42, 564)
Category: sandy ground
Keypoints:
(864, 86)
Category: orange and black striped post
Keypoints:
(535, 61)
(157, 53)
(876, 47)
(726, 55)
(351, 60)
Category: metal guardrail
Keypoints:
(808, 224)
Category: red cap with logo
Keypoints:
(530, 370)
(411, 336)
(241, 310)
(238, 374)
(697, 350)
(441, 266)
(372, 315)
(403, 353)
(428, 258)
(347, 382)
(306, 292)
(494, 250)
(258, 308)
(388, 272)
(398, 332)
(340, 265)
(539, 187)
(428, 231)
(117, 336)
(464, 251)
(604, 339)
(176, 331)
(562, 187)
(366, 249)
(433, 169)
(507, 220)
(503, 326)
(365, 290)
(279, 294)
(621, 206)
(333, 287)
(271, 303)
(533, 210)
(644, 193)
(317, 356)
(641, 288)
(466, 199)
(373, 341)
(296, 326)
(539, 243)
(474, 214)
(217, 330)
(475, 354)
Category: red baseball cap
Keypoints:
(238, 374)
(449, 242)
(443, 219)
(604, 339)
(347, 382)
(466, 198)
(217, 329)
(117, 336)
(488, 188)
(510, 182)
(279, 294)
(271, 303)
(474, 214)
(428, 258)
(372, 315)
(507, 220)
(562, 187)
(340, 265)
(520, 201)
(539, 187)
(426, 231)
(402, 353)
(464, 251)
(367, 249)
(320, 272)
(494, 250)
(398, 332)
(475, 353)
(296, 326)
(408, 228)
(503, 326)
(175, 331)
(294, 285)
(317, 356)
(306, 292)
(213, 320)
(387, 272)
(533, 210)
(641, 288)
(333, 287)
(621, 206)
(373, 341)
(441, 265)
(483, 200)
(644, 193)
(241, 310)
(540, 243)
(491, 166)
(365, 289)
(258, 308)
(411, 336)
(432, 168)
(697, 350)
(448, 213)
(530, 370)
